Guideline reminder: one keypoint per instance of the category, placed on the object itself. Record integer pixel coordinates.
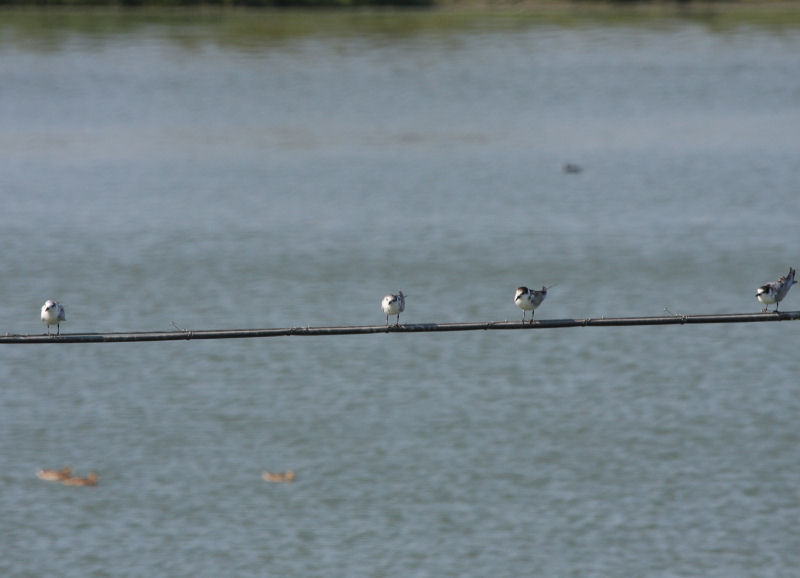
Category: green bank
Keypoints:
(256, 23)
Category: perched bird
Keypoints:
(775, 292)
(54, 475)
(394, 305)
(78, 481)
(53, 314)
(273, 477)
(529, 299)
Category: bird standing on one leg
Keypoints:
(393, 305)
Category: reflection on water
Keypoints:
(260, 169)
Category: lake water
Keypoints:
(249, 171)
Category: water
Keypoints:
(161, 173)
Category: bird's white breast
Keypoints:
(390, 306)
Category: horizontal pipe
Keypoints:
(405, 328)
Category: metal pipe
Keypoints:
(404, 328)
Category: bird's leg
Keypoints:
(532, 314)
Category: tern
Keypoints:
(53, 314)
(394, 305)
(529, 299)
(775, 292)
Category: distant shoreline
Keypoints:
(453, 5)
(238, 19)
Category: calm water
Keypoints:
(161, 173)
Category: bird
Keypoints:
(53, 314)
(394, 305)
(274, 477)
(54, 475)
(529, 299)
(775, 292)
(91, 480)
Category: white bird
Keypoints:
(53, 314)
(775, 292)
(529, 299)
(394, 305)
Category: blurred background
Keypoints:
(248, 169)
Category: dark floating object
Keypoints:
(572, 168)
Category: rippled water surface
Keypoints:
(175, 172)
